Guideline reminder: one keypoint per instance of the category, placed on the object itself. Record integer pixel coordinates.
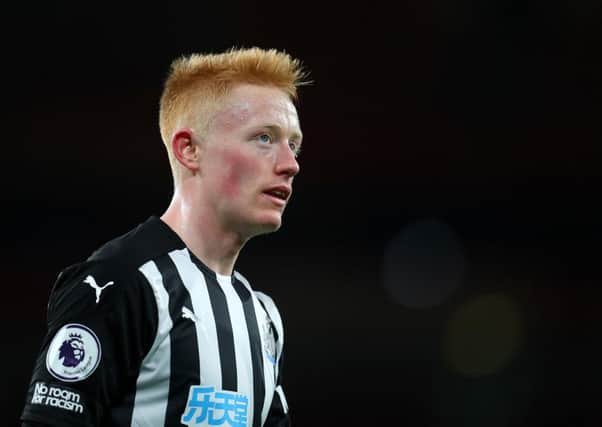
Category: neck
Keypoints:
(202, 233)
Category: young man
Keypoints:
(156, 328)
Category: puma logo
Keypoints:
(188, 314)
(98, 289)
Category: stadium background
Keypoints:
(439, 262)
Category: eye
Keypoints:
(264, 138)
(295, 148)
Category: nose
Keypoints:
(286, 163)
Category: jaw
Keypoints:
(252, 217)
(264, 222)
(268, 223)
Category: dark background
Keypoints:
(439, 262)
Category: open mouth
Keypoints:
(279, 194)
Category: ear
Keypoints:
(185, 150)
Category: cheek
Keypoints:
(238, 174)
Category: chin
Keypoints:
(271, 227)
(268, 225)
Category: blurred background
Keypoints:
(439, 264)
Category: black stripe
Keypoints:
(223, 325)
(256, 350)
(184, 362)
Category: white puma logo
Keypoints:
(188, 314)
(92, 282)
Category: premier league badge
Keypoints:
(73, 354)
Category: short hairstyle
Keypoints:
(196, 83)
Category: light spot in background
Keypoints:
(423, 264)
(482, 335)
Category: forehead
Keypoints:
(249, 105)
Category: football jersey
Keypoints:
(144, 334)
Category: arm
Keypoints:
(278, 415)
(101, 322)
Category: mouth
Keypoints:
(278, 194)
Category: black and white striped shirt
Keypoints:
(144, 334)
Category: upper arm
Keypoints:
(101, 323)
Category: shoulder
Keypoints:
(146, 241)
(111, 274)
(266, 301)
(93, 287)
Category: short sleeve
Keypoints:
(101, 323)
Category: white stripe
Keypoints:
(242, 345)
(282, 398)
(152, 385)
(206, 331)
(269, 372)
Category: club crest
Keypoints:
(269, 338)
